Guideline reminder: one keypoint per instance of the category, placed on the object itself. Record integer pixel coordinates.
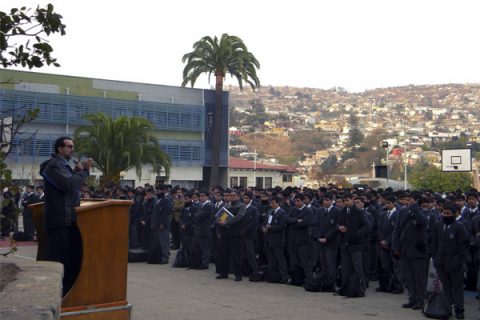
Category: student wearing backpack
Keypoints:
(450, 242)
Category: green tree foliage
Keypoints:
(256, 114)
(119, 145)
(426, 176)
(356, 136)
(19, 27)
(329, 165)
(227, 55)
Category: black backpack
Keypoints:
(272, 276)
(313, 285)
(256, 276)
(394, 285)
(181, 260)
(297, 275)
(354, 287)
(436, 306)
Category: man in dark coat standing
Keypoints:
(202, 220)
(146, 219)
(249, 231)
(388, 265)
(160, 224)
(275, 238)
(409, 244)
(231, 239)
(29, 198)
(450, 243)
(326, 235)
(353, 228)
(300, 219)
(62, 195)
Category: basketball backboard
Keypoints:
(457, 160)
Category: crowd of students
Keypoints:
(336, 240)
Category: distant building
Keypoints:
(245, 173)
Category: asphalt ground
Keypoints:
(163, 292)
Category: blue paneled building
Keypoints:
(183, 117)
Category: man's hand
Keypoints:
(384, 244)
(142, 222)
(342, 229)
(322, 240)
(87, 164)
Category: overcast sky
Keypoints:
(355, 44)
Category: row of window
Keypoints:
(261, 182)
(41, 146)
(67, 109)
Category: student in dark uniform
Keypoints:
(475, 240)
(161, 222)
(326, 235)
(409, 244)
(230, 248)
(375, 210)
(353, 229)
(186, 225)
(314, 257)
(249, 232)
(366, 256)
(300, 220)
(202, 222)
(450, 243)
(388, 265)
(29, 198)
(146, 217)
(260, 239)
(275, 238)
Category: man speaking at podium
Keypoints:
(62, 195)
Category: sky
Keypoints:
(354, 44)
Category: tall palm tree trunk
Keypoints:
(217, 129)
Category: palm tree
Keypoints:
(220, 56)
(119, 145)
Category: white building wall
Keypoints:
(277, 177)
(29, 171)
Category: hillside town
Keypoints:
(411, 119)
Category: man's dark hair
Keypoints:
(299, 196)
(452, 207)
(277, 199)
(60, 143)
(328, 196)
(347, 196)
(390, 198)
(248, 194)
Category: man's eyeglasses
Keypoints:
(70, 146)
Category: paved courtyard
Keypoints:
(163, 292)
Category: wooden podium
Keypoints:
(100, 290)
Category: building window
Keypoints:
(259, 182)
(268, 182)
(243, 182)
(233, 182)
(287, 178)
